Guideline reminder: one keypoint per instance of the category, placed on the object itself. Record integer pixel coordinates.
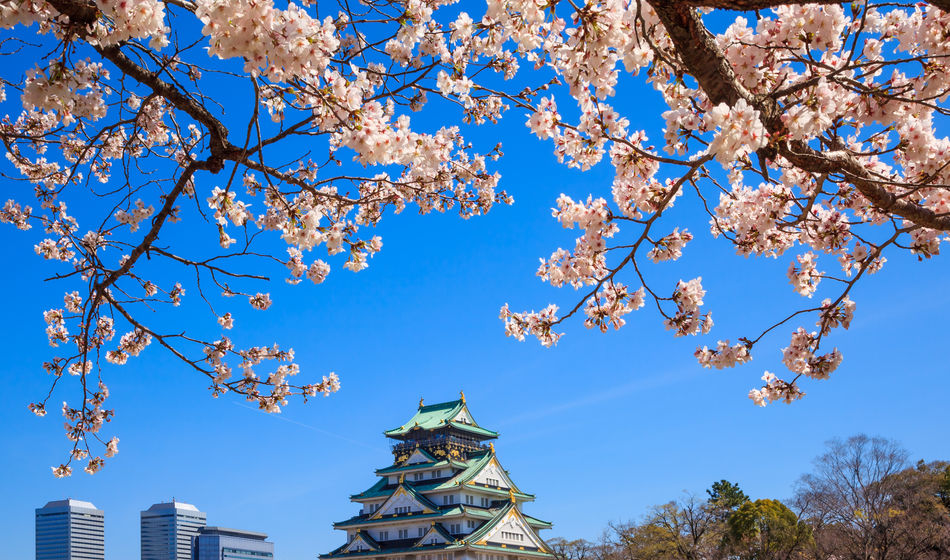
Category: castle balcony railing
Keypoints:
(439, 440)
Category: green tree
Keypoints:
(766, 530)
(725, 498)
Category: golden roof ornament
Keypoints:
(511, 495)
(491, 445)
(421, 403)
(402, 477)
(462, 394)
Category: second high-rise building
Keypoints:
(168, 530)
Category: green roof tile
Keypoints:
(435, 416)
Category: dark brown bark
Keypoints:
(750, 5)
(702, 58)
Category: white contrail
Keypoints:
(309, 427)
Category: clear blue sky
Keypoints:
(599, 428)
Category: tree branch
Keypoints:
(704, 60)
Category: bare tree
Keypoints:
(577, 549)
(849, 498)
(688, 529)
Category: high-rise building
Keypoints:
(169, 529)
(70, 530)
(219, 543)
(445, 497)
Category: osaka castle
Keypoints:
(445, 497)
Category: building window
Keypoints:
(512, 536)
(404, 533)
(455, 528)
(492, 482)
(402, 509)
(384, 535)
(484, 502)
(471, 524)
(470, 500)
(437, 473)
(448, 500)
(417, 475)
(422, 531)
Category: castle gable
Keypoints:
(402, 501)
(510, 529)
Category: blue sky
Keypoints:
(599, 427)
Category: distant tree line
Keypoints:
(862, 501)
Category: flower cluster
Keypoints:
(740, 131)
(804, 277)
(534, 323)
(688, 297)
(126, 19)
(724, 356)
(280, 44)
(608, 308)
(775, 389)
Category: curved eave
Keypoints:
(512, 549)
(474, 429)
(373, 493)
(388, 551)
(441, 416)
(428, 417)
(361, 521)
(521, 496)
(458, 510)
(537, 523)
(393, 469)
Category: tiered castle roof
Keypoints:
(445, 492)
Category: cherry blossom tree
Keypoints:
(806, 131)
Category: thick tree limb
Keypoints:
(703, 59)
(84, 14)
(750, 5)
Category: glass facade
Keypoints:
(168, 530)
(70, 530)
(219, 543)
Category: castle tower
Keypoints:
(445, 497)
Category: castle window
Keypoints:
(422, 531)
(404, 533)
(492, 482)
(470, 500)
(384, 535)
